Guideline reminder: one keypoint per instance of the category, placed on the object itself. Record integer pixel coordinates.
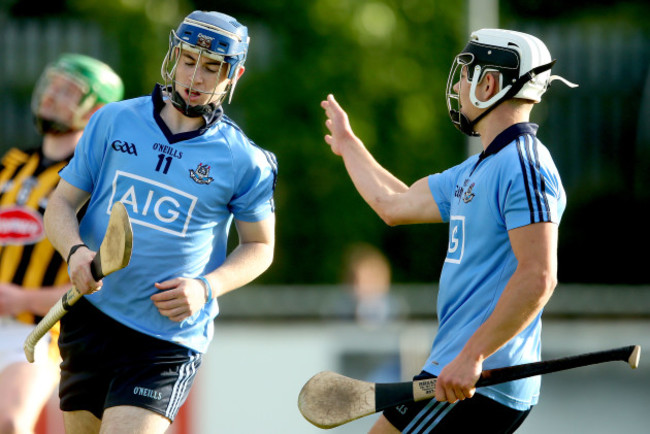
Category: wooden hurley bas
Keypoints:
(329, 399)
(114, 254)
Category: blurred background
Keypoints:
(387, 63)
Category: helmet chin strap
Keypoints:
(195, 111)
(191, 111)
(467, 127)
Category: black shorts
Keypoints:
(106, 364)
(476, 415)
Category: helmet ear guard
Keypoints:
(474, 83)
(234, 80)
(522, 61)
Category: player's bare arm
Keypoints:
(183, 297)
(526, 293)
(62, 228)
(252, 256)
(394, 201)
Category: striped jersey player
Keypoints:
(185, 172)
(33, 275)
(503, 208)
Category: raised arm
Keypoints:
(395, 202)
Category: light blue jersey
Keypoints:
(181, 192)
(514, 183)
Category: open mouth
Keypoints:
(193, 95)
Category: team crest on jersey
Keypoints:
(201, 174)
(469, 195)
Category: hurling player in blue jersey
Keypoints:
(503, 207)
(185, 172)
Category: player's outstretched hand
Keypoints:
(338, 124)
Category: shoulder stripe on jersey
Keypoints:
(270, 156)
(273, 162)
(542, 183)
(520, 144)
(530, 165)
(528, 143)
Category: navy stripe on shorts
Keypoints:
(476, 415)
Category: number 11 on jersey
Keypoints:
(166, 160)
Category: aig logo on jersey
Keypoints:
(153, 204)
(456, 239)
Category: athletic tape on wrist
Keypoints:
(74, 249)
(208, 288)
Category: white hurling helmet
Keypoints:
(522, 61)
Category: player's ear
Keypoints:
(492, 84)
(487, 87)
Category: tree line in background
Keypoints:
(387, 63)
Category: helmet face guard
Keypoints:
(69, 89)
(460, 121)
(205, 35)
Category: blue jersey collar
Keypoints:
(504, 138)
(159, 103)
(507, 136)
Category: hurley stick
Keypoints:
(329, 399)
(114, 254)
